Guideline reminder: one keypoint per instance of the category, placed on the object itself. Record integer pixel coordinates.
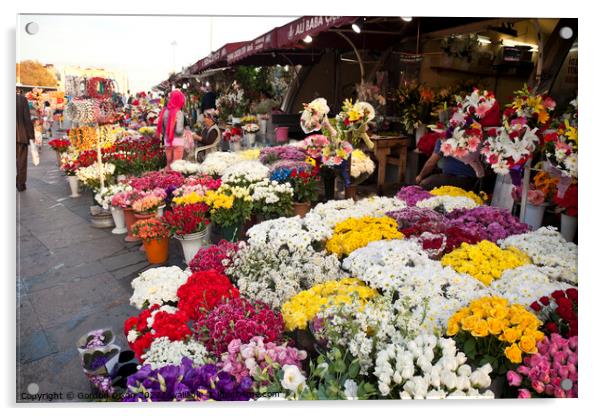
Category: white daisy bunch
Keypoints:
(446, 203)
(525, 284)
(274, 274)
(103, 197)
(185, 167)
(376, 324)
(158, 285)
(322, 219)
(282, 232)
(90, 175)
(164, 352)
(385, 264)
(217, 162)
(270, 192)
(429, 367)
(555, 257)
(245, 173)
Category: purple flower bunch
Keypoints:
(551, 372)
(257, 358)
(269, 155)
(186, 382)
(412, 194)
(415, 220)
(489, 223)
(290, 164)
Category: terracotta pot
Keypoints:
(157, 251)
(130, 220)
(301, 208)
(140, 216)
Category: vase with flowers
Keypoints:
(568, 217)
(188, 223)
(155, 237)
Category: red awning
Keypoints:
(287, 36)
(217, 58)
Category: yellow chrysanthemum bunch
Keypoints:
(217, 200)
(493, 316)
(354, 233)
(455, 191)
(250, 154)
(484, 261)
(188, 199)
(304, 306)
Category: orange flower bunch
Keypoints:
(150, 229)
(83, 138)
(546, 184)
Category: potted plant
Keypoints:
(568, 217)
(305, 189)
(188, 224)
(154, 235)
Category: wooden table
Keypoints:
(390, 150)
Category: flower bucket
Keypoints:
(191, 243)
(231, 233)
(250, 138)
(140, 216)
(263, 126)
(73, 185)
(568, 227)
(160, 211)
(130, 220)
(235, 146)
(119, 220)
(157, 251)
(281, 134)
(534, 215)
(58, 158)
(301, 208)
(101, 218)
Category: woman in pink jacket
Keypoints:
(170, 127)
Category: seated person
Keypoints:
(210, 133)
(454, 172)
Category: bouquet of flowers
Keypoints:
(330, 153)
(455, 191)
(559, 312)
(490, 330)
(250, 128)
(304, 182)
(216, 257)
(269, 155)
(488, 223)
(105, 196)
(163, 352)
(158, 179)
(232, 135)
(150, 229)
(90, 176)
(232, 103)
(152, 323)
(248, 119)
(157, 286)
(217, 162)
(446, 203)
(185, 167)
(533, 109)
(186, 219)
(314, 114)
(569, 201)
(303, 307)
(59, 145)
(245, 173)
(202, 292)
(238, 319)
(561, 151)
(361, 166)
(542, 373)
(352, 122)
(484, 261)
(509, 146)
(355, 233)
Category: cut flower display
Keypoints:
(354, 233)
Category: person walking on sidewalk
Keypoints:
(24, 135)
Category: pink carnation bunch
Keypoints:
(551, 372)
(217, 257)
(157, 179)
(256, 357)
(238, 319)
(125, 199)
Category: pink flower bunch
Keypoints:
(157, 179)
(197, 185)
(551, 372)
(238, 319)
(412, 194)
(256, 357)
(217, 257)
(126, 198)
(147, 204)
(534, 196)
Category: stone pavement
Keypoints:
(71, 278)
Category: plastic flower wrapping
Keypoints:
(313, 115)
(352, 122)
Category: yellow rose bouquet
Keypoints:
(490, 330)
(354, 233)
(304, 306)
(484, 261)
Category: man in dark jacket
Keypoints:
(24, 134)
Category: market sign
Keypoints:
(295, 31)
(218, 56)
(262, 43)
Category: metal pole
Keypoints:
(525, 190)
(359, 58)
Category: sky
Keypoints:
(140, 46)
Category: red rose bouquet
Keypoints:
(152, 323)
(238, 319)
(59, 145)
(186, 219)
(214, 257)
(203, 291)
(559, 313)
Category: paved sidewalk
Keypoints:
(71, 278)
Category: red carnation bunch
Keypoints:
(203, 291)
(214, 257)
(559, 313)
(238, 319)
(569, 200)
(186, 219)
(140, 334)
